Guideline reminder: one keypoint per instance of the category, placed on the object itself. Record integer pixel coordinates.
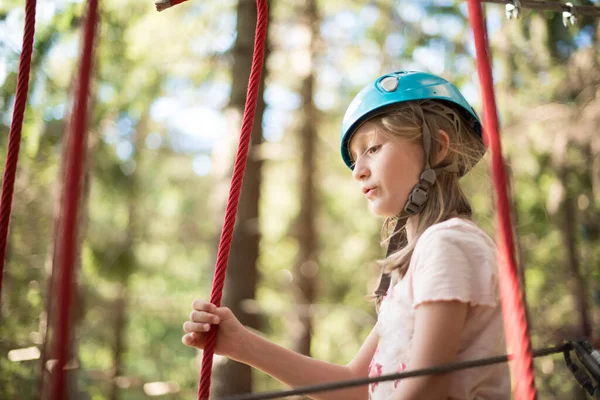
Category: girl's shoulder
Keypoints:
(457, 228)
(454, 259)
(456, 232)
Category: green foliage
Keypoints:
(152, 213)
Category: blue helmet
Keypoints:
(395, 88)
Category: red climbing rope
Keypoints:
(14, 138)
(71, 193)
(234, 191)
(515, 323)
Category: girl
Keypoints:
(408, 138)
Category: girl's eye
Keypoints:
(373, 149)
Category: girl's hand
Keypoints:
(230, 336)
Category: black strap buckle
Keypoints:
(419, 194)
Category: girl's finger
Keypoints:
(186, 339)
(203, 316)
(190, 339)
(201, 305)
(191, 327)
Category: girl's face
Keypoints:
(386, 167)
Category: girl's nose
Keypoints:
(360, 171)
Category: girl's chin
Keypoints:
(384, 212)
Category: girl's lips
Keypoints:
(369, 192)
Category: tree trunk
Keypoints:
(567, 225)
(306, 266)
(120, 342)
(568, 221)
(519, 253)
(231, 377)
(128, 265)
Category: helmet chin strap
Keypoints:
(415, 203)
(397, 241)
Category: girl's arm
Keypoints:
(238, 343)
(296, 370)
(436, 341)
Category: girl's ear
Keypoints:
(443, 145)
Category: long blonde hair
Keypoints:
(446, 197)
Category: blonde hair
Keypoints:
(446, 198)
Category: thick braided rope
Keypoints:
(71, 195)
(14, 138)
(515, 322)
(234, 191)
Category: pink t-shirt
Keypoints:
(453, 260)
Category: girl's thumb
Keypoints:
(188, 339)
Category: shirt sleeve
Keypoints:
(454, 265)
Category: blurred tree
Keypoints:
(126, 261)
(306, 266)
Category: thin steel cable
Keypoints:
(14, 137)
(515, 321)
(536, 5)
(234, 191)
(547, 5)
(442, 369)
(70, 207)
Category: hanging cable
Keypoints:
(70, 207)
(588, 377)
(234, 191)
(515, 322)
(442, 369)
(14, 136)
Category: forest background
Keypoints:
(167, 95)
